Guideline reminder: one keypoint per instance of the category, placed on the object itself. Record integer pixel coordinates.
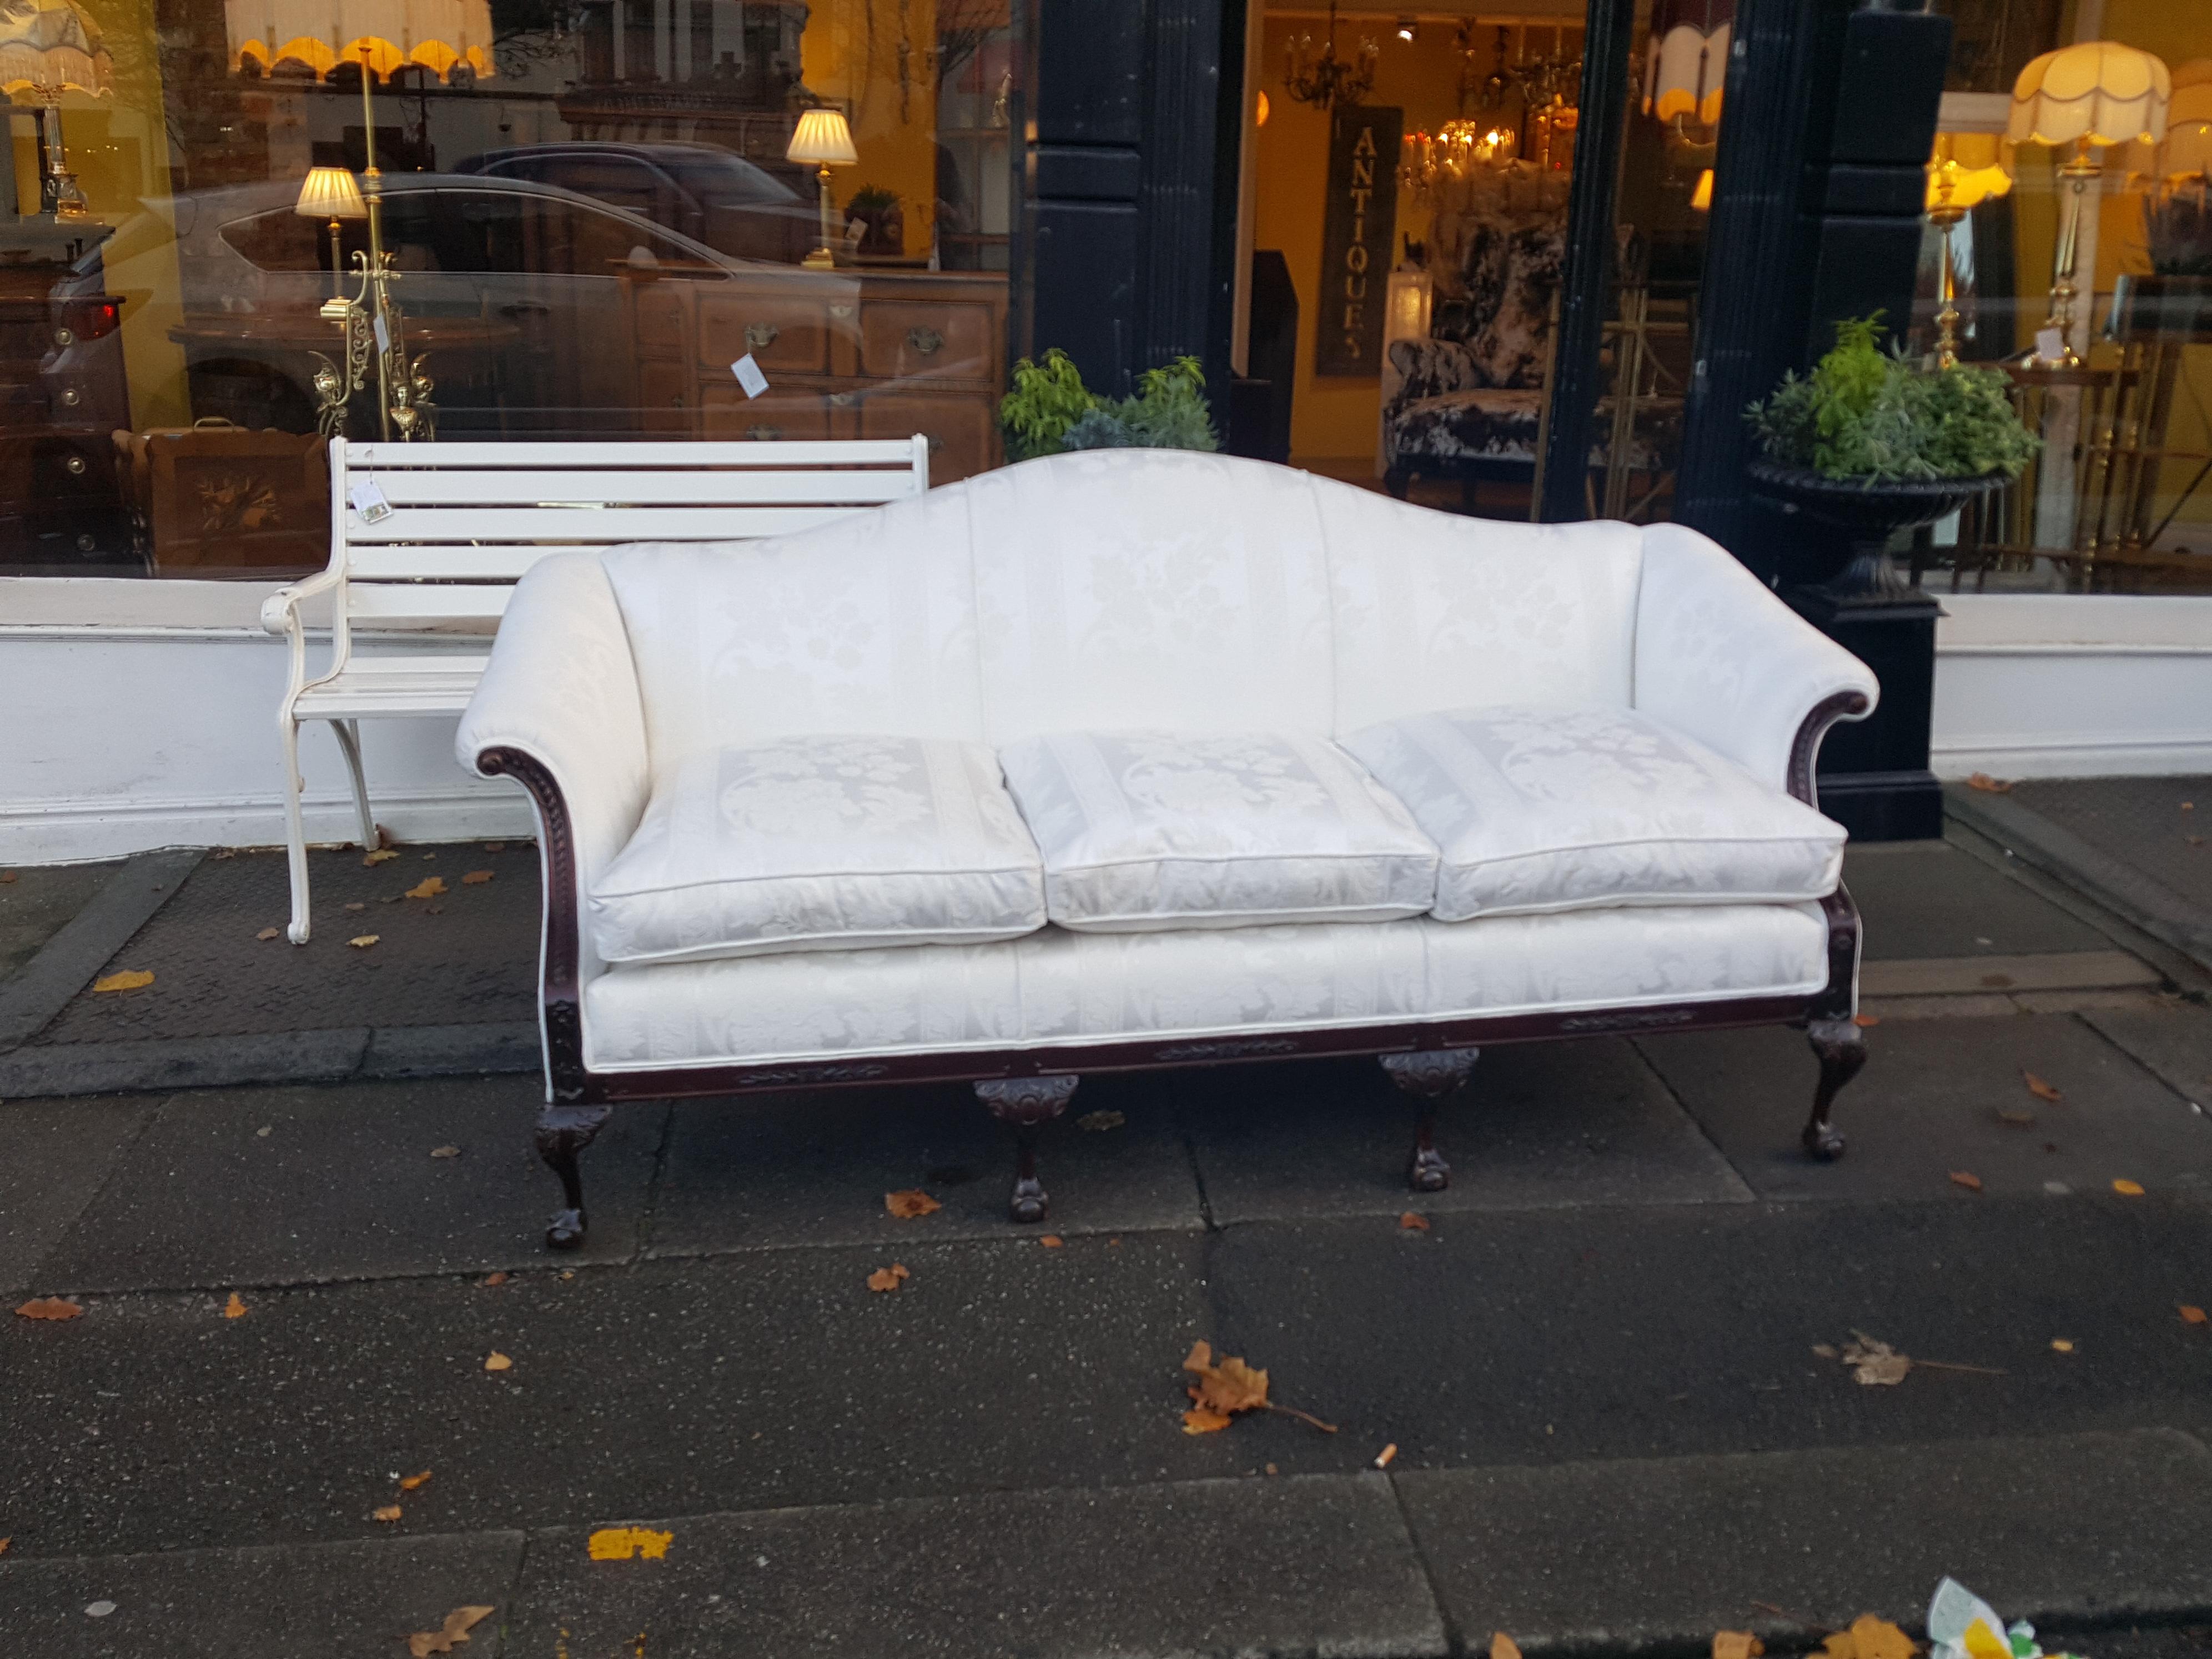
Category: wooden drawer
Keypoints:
(786, 334)
(938, 340)
(665, 394)
(663, 315)
(731, 414)
(961, 427)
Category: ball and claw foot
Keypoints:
(1432, 1076)
(566, 1230)
(1823, 1141)
(1841, 1048)
(1428, 1173)
(1022, 1104)
(1029, 1202)
(563, 1131)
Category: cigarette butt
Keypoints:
(1382, 1458)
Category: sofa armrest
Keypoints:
(1720, 658)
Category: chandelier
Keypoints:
(1328, 81)
(1452, 152)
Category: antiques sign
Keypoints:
(1359, 230)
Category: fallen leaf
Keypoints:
(1052, 1241)
(4, 1542)
(410, 1482)
(235, 1308)
(50, 1307)
(428, 857)
(1271, 1469)
(1869, 1638)
(388, 1513)
(362, 941)
(888, 1278)
(2005, 1115)
(2189, 807)
(358, 904)
(498, 1362)
(1875, 1365)
(2127, 1188)
(1382, 1458)
(1100, 1121)
(1826, 1350)
(625, 1543)
(1503, 1646)
(1736, 1644)
(1412, 1223)
(381, 855)
(1988, 784)
(424, 1643)
(477, 878)
(909, 1203)
(495, 1278)
(444, 1151)
(2060, 1345)
(2040, 1089)
(494, 846)
(1232, 1386)
(1967, 1179)
(130, 979)
(2193, 1316)
(1865, 1021)
(429, 887)
(2194, 841)
(8, 879)
(269, 933)
(1198, 1420)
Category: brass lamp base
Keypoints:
(820, 259)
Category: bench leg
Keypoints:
(1023, 1103)
(296, 833)
(563, 1133)
(1841, 1048)
(1432, 1077)
(348, 736)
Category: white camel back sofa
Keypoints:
(1150, 592)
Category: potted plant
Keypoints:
(880, 220)
(1050, 411)
(1871, 443)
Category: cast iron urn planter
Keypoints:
(1867, 514)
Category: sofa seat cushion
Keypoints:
(1539, 809)
(820, 843)
(1142, 830)
(1203, 992)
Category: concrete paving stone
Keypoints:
(53, 1158)
(39, 901)
(1318, 1566)
(70, 959)
(1929, 1102)
(91, 1068)
(405, 1051)
(1927, 898)
(278, 1601)
(734, 1383)
(1539, 1125)
(2070, 970)
(1658, 1552)
(468, 956)
(2173, 1039)
(771, 1172)
(1559, 1336)
(310, 1184)
(2150, 823)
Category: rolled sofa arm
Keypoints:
(1720, 658)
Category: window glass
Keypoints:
(586, 212)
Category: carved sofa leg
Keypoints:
(563, 1133)
(1842, 1050)
(1022, 1104)
(1431, 1076)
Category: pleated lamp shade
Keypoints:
(2188, 147)
(1966, 169)
(2097, 92)
(822, 137)
(330, 193)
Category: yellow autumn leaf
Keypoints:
(1736, 1644)
(388, 1512)
(382, 855)
(130, 979)
(362, 941)
(497, 1361)
(909, 1203)
(888, 1278)
(2127, 1188)
(477, 878)
(235, 1308)
(267, 933)
(1198, 1420)
(1869, 1638)
(410, 1482)
(628, 1543)
(429, 887)
(1503, 1646)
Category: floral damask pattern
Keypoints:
(1145, 829)
(1539, 809)
(825, 843)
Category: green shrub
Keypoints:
(1050, 411)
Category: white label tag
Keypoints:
(383, 335)
(2050, 345)
(749, 375)
(368, 501)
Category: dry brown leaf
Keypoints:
(362, 941)
(381, 855)
(2016, 1119)
(1967, 1179)
(1100, 1121)
(623, 1543)
(1865, 1022)
(1875, 1365)
(1198, 1420)
(444, 1151)
(1232, 1386)
(1869, 1638)
(428, 857)
(2040, 1089)
(270, 932)
(2191, 1314)
(910, 1202)
(1988, 784)
(475, 877)
(410, 1482)
(2127, 1188)
(888, 1278)
(424, 1643)
(2189, 807)
(496, 1361)
(494, 846)
(387, 1513)
(1413, 1223)
(1826, 1350)
(1382, 1458)
(1503, 1646)
(495, 1278)
(4, 1542)
(429, 887)
(8, 879)
(1736, 1644)
(50, 1307)
(357, 905)
(1052, 1241)
(235, 1308)
(130, 979)
(2060, 1345)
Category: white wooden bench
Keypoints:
(468, 519)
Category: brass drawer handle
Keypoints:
(74, 466)
(761, 335)
(841, 312)
(926, 340)
(840, 399)
(765, 432)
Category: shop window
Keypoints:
(590, 210)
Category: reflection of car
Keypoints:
(717, 199)
(529, 284)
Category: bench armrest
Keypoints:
(1720, 658)
(280, 611)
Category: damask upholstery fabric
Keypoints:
(1543, 810)
(1226, 988)
(1431, 368)
(1144, 831)
(821, 843)
(1504, 425)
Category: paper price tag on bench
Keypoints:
(749, 375)
(368, 501)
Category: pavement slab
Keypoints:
(53, 1158)
(1318, 1566)
(1924, 899)
(36, 902)
(2174, 1040)
(1539, 1125)
(306, 1184)
(2151, 824)
(362, 1597)
(772, 1171)
(1661, 1553)
(73, 953)
(1929, 1103)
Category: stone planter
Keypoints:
(1866, 515)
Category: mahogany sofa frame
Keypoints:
(1024, 1088)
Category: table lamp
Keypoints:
(331, 193)
(824, 139)
(2092, 95)
(1965, 170)
(2188, 146)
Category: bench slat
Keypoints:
(695, 489)
(755, 453)
(435, 562)
(426, 601)
(580, 525)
